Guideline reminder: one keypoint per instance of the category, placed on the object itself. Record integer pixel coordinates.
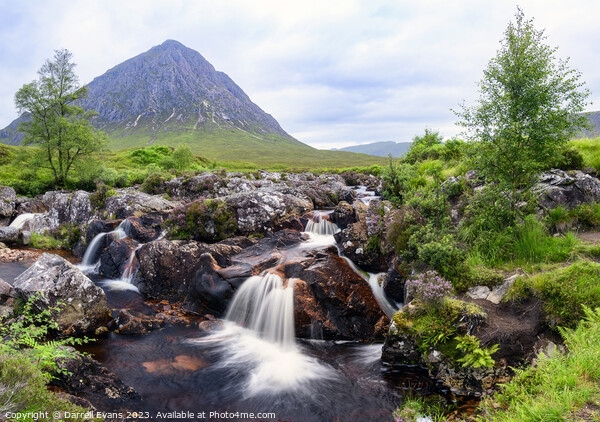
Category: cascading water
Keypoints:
(262, 304)
(20, 221)
(321, 226)
(91, 258)
(126, 280)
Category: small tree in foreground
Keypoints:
(56, 124)
(527, 109)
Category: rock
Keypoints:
(8, 199)
(134, 323)
(83, 304)
(478, 292)
(261, 210)
(171, 270)
(343, 215)
(494, 295)
(557, 187)
(144, 228)
(30, 205)
(86, 378)
(6, 290)
(115, 257)
(25, 237)
(38, 223)
(9, 234)
(100, 226)
(67, 207)
(129, 203)
(393, 285)
(330, 297)
(354, 247)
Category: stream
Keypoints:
(251, 361)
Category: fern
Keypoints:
(475, 356)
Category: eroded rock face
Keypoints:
(567, 189)
(83, 304)
(100, 226)
(145, 228)
(331, 300)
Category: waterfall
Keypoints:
(90, 258)
(20, 221)
(129, 269)
(265, 306)
(388, 307)
(321, 226)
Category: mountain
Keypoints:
(594, 119)
(171, 89)
(380, 149)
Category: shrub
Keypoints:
(428, 146)
(442, 254)
(429, 288)
(208, 220)
(155, 181)
(99, 197)
(567, 158)
(588, 215)
(150, 155)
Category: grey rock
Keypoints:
(129, 202)
(67, 207)
(478, 292)
(8, 199)
(60, 283)
(557, 187)
(260, 210)
(6, 290)
(498, 292)
(25, 237)
(9, 234)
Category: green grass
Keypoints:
(590, 150)
(563, 291)
(558, 385)
(238, 150)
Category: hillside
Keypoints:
(380, 149)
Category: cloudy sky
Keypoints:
(333, 73)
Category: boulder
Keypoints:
(67, 207)
(172, 270)
(130, 202)
(100, 226)
(115, 256)
(54, 282)
(7, 299)
(331, 300)
(9, 234)
(343, 215)
(557, 187)
(393, 284)
(145, 228)
(8, 199)
(259, 211)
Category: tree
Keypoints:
(56, 123)
(526, 112)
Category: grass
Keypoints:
(589, 148)
(238, 150)
(558, 385)
(563, 291)
(23, 390)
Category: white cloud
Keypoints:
(332, 73)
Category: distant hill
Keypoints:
(594, 119)
(380, 149)
(171, 95)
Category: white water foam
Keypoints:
(88, 263)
